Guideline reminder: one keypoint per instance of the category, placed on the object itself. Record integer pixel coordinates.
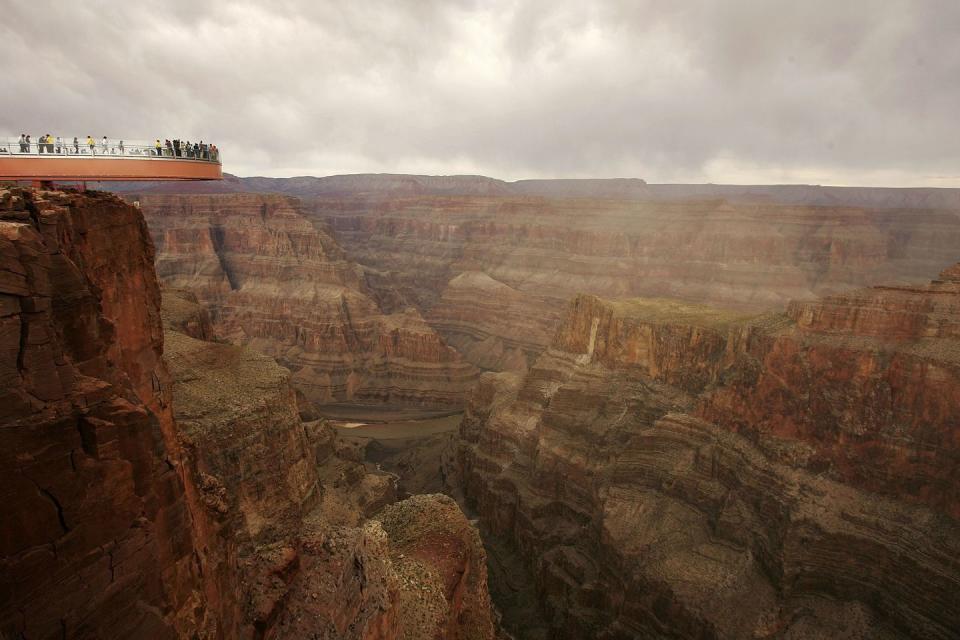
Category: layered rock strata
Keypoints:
(96, 536)
(680, 471)
(292, 552)
(493, 325)
(868, 383)
(537, 252)
(191, 504)
(281, 285)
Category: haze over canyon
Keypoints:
(397, 406)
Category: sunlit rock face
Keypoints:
(493, 273)
(276, 282)
(97, 538)
(675, 470)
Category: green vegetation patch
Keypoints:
(667, 311)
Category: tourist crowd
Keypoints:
(47, 144)
(184, 149)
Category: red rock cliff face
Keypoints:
(96, 540)
(197, 504)
(869, 382)
(678, 471)
(741, 255)
(276, 282)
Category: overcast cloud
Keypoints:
(830, 92)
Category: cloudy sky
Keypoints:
(740, 91)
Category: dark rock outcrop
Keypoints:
(96, 535)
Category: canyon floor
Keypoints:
(412, 452)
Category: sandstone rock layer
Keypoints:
(274, 281)
(494, 272)
(674, 470)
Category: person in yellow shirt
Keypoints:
(92, 145)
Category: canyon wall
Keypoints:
(96, 534)
(669, 468)
(276, 282)
(493, 273)
(290, 551)
(189, 502)
(674, 470)
(424, 242)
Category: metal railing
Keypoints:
(109, 149)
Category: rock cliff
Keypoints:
(290, 548)
(96, 535)
(867, 382)
(194, 502)
(493, 273)
(673, 470)
(493, 325)
(275, 282)
(256, 468)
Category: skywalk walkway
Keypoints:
(109, 160)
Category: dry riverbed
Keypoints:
(407, 445)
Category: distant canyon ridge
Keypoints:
(401, 289)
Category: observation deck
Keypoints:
(111, 161)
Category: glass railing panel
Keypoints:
(108, 148)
